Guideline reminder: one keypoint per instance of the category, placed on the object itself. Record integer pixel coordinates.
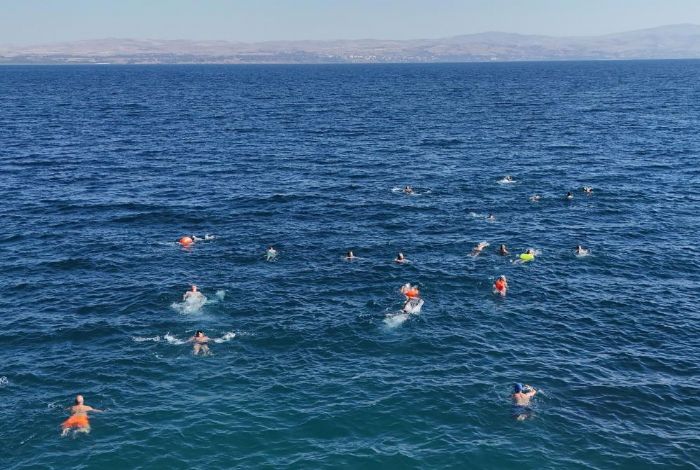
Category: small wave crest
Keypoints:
(4, 381)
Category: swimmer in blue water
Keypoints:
(350, 256)
(270, 254)
(400, 258)
(569, 196)
(581, 251)
(521, 401)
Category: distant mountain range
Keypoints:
(666, 42)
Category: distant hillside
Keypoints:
(666, 42)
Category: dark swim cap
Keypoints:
(517, 388)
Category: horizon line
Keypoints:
(231, 41)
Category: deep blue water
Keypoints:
(104, 168)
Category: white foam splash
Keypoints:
(506, 180)
(172, 339)
(414, 306)
(393, 320)
(226, 337)
(190, 305)
(583, 253)
(141, 339)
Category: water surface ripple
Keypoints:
(103, 168)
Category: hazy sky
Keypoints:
(38, 21)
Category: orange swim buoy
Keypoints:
(186, 241)
(412, 293)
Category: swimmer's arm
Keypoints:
(94, 410)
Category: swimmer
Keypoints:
(411, 292)
(529, 255)
(413, 300)
(569, 196)
(588, 190)
(535, 198)
(502, 250)
(193, 293)
(490, 217)
(350, 256)
(408, 190)
(78, 417)
(186, 241)
(500, 286)
(581, 251)
(270, 254)
(200, 343)
(521, 401)
(507, 179)
(479, 248)
(400, 258)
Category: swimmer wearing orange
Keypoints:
(78, 417)
(186, 241)
(500, 286)
(411, 292)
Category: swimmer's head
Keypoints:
(199, 333)
(194, 288)
(79, 400)
(517, 388)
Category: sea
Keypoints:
(311, 363)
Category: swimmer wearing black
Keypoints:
(521, 401)
(200, 343)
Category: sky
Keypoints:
(47, 21)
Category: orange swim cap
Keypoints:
(186, 241)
